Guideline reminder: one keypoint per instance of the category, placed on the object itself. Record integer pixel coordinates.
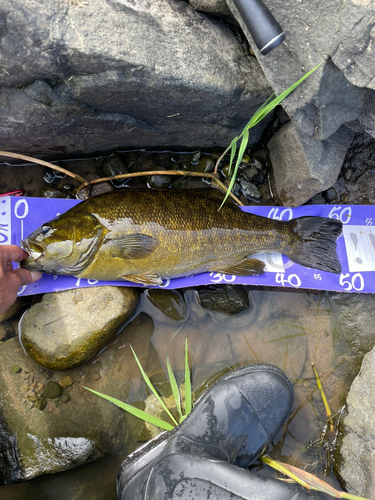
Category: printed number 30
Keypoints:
(218, 278)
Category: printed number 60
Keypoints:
(344, 215)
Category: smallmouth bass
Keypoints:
(145, 236)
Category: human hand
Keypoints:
(12, 279)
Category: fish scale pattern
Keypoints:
(193, 234)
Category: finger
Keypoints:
(26, 277)
(14, 253)
(9, 265)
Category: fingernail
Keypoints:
(35, 275)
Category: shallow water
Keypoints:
(290, 329)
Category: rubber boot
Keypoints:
(206, 456)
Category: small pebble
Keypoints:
(330, 195)
(235, 188)
(94, 376)
(227, 171)
(66, 381)
(205, 164)
(250, 172)
(64, 398)
(250, 191)
(32, 399)
(40, 404)
(348, 173)
(195, 157)
(257, 162)
(52, 390)
(16, 369)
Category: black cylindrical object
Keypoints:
(263, 27)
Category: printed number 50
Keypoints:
(356, 281)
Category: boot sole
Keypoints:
(144, 455)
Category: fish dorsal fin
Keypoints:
(146, 279)
(245, 268)
(131, 246)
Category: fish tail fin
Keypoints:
(313, 243)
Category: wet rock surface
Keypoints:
(355, 317)
(337, 93)
(50, 423)
(87, 78)
(303, 166)
(355, 463)
(170, 303)
(225, 299)
(341, 91)
(67, 328)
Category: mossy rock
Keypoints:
(67, 328)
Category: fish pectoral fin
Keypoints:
(131, 246)
(144, 278)
(245, 268)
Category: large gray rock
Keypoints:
(40, 435)
(67, 328)
(354, 320)
(87, 76)
(356, 457)
(303, 166)
(217, 7)
(340, 36)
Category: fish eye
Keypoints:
(45, 229)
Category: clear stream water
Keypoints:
(290, 329)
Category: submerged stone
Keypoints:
(169, 302)
(39, 436)
(67, 328)
(52, 390)
(66, 381)
(226, 299)
(250, 191)
(11, 311)
(354, 462)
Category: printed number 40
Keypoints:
(355, 282)
(292, 280)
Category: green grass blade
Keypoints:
(251, 122)
(188, 395)
(174, 386)
(135, 411)
(241, 152)
(349, 496)
(263, 112)
(152, 388)
(233, 150)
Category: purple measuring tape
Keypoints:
(355, 249)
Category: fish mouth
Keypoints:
(35, 251)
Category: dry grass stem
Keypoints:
(45, 164)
